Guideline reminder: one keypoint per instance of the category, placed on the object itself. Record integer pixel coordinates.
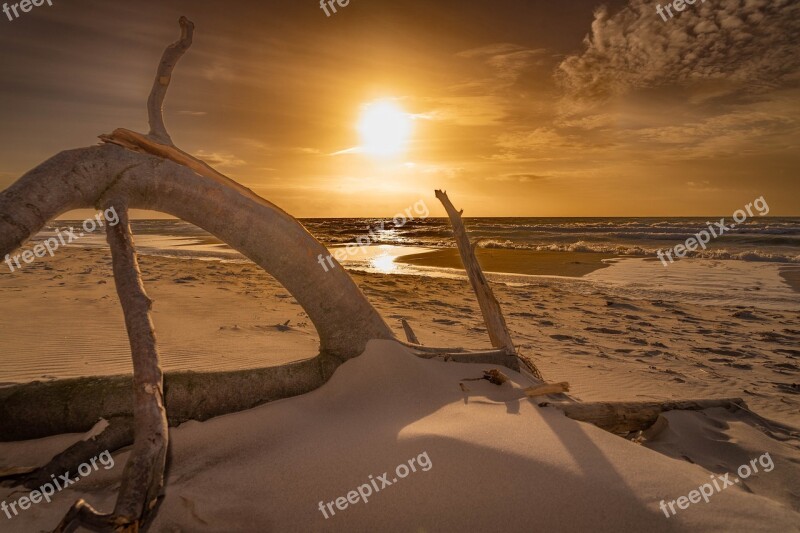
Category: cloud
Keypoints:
(702, 186)
(468, 110)
(540, 144)
(767, 127)
(219, 159)
(490, 50)
(251, 143)
(305, 150)
(521, 178)
(507, 61)
(347, 151)
(588, 122)
(218, 72)
(748, 44)
(744, 123)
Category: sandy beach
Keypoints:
(220, 316)
(227, 316)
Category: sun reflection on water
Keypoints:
(384, 264)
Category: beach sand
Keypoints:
(499, 462)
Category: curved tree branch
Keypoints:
(163, 76)
(262, 232)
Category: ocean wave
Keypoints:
(628, 250)
(756, 255)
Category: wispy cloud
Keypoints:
(219, 159)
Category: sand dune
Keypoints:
(498, 463)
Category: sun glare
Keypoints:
(385, 128)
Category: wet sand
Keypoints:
(792, 276)
(529, 262)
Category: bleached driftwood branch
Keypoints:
(155, 101)
(545, 389)
(143, 477)
(144, 473)
(496, 326)
(490, 307)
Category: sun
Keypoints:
(385, 128)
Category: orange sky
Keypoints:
(517, 108)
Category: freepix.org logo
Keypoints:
(25, 7)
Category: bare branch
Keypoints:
(410, 335)
(163, 76)
(144, 473)
(492, 314)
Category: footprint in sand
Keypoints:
(607, 331)
(577, 340)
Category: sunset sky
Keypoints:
(516, 108)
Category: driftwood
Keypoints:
(492, 376)
(144, 472)
(410, 335)
(117, 434)
(37, 410)
(625, 417)
(493, 317)
(490, 308)
(547, 388)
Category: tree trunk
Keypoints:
(36, 410)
